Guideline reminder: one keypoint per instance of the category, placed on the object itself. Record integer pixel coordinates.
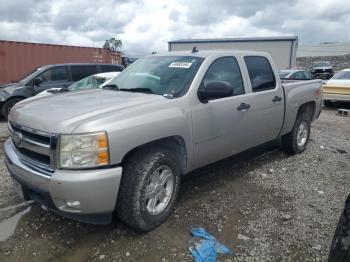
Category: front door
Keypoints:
(219, 126)
(56, 77)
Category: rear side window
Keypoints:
(80, 72)
(225, 69)
(110, 68)
(260, 73)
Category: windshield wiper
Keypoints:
(134, 90)
(111, 87)
(137, 90)
(57, 90)
(63, 89)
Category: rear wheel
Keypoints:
(295, 142)
(328, 103)
(149, 188)
(6, 108)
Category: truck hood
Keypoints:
(65, 112)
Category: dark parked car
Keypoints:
(340, 248)
(45, 77)
(322, 70)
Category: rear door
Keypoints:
(266, 99)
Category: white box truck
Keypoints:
(282, 49)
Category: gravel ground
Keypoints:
(262, 204)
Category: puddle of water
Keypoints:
(23, 204)
(8, 226)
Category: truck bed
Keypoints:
(296, 94)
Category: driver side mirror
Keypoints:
(214, 90)
(37, 81)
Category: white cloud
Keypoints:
(146, 26)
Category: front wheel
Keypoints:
(328, 103)
(149, 188)
(295, 142)
(6, 108)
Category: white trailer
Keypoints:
(282, 49)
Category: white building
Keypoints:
(328, 49)
(282, 49)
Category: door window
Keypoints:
(80, 72)
(260, 73)
(225, 69)
(55, 75)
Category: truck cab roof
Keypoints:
(207, 53)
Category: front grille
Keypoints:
(36, 149)
(43, 159)
(33, 136)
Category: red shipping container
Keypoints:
(19, 58)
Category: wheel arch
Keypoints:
(16, 96)
(4, 103)
(307, 109)
(175, 143)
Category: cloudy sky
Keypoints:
(146, 26)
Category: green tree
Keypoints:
(112, 44)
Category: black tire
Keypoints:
(137, 172)
(328, 103)
(8, 105)
(290, 141)
(340, 248)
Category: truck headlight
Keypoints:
(84, 150)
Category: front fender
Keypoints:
(129, 130)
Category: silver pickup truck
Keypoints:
(124, 148)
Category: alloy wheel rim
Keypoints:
(159, 190)
(302, 134)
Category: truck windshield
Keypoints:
(161, 75)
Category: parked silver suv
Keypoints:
(125, 148)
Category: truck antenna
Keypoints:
(194, 49)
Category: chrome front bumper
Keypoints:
(95, 190)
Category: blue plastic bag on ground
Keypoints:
(204, 247)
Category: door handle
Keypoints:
(243, 106)
(276, 99)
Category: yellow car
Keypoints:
(337, 89)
